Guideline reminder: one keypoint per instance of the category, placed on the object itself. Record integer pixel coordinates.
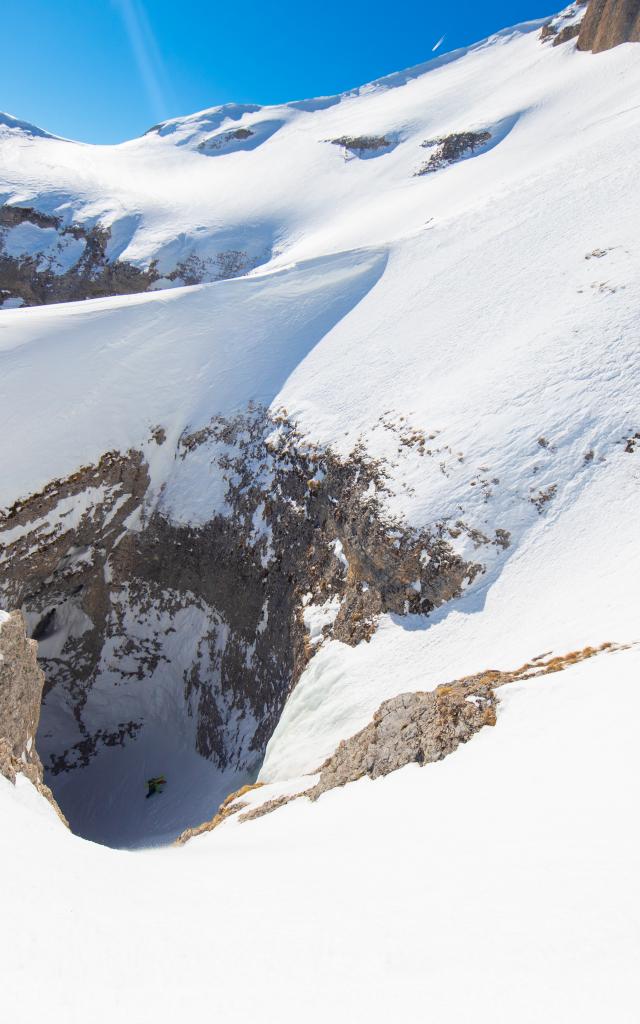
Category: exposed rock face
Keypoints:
(420, 728)
(451, 148)
(61, 264)
(43, 261)
(127, 600)
(21, 683)
(565, 34)
(609, 23)
(364, 145)
(222, 140)
(232, 804)
(412, 728)
(565, 25)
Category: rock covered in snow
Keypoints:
(161, 549)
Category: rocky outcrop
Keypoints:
(232, 804)
(451, 148)
(565, 25)
(566, 34)
(61, 263)
(420, 728)
(21, 684)
(609, 23)
(411, 728)
(224, 138)
(364, 145)
(42, 260)
(415, 728)
(129, 602)
(559, 35)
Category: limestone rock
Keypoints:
(608, 23)
(21, 684)
(452, 148)
(412, 728)
(419, 728)
(105, 602)
(78, 266)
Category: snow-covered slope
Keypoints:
(239, 186)
(471, 333)
(498, 885)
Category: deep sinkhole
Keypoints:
(106, 800)
(170, 647)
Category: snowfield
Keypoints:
(500, 884)
(479, 329)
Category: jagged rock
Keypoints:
(420, 728)
(547, 31)
(417, 728)
(232, 804)
(72, 263)
(105, 599)
(565, 25)
(220, 141)
(411, 728)
(363, 145)
(452, 148)
(21, 684)
(609, 23)
(565, 34)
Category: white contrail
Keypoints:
(439, 44)
(146, 53)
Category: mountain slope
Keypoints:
(399, 450)
(238, 187)
(478, 887)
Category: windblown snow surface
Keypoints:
(502, 883)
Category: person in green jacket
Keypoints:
(155, 785)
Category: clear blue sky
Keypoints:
(106, 70)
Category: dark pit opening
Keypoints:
(170, 642)
(106, 800)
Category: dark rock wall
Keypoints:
(106, 575)
(608, 23)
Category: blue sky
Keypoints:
(106, 70)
